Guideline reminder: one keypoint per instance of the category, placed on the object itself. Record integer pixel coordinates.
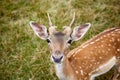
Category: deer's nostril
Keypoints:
(57, 60)
(61, 57)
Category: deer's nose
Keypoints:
(57, 59)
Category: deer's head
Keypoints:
(59, 41)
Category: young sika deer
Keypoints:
(91, 59)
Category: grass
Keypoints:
(23, 56)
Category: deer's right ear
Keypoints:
(40, 30)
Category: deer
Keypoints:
(89, 60)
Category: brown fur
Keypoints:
(96, 53)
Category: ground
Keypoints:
(23, 56)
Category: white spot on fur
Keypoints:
(97, 40)
(103, 41)
(92, 42)
(77, 52)
(95, 47)
(85, 46)
(109, 49)
(113, 34)
(85, 57)
(77, 58)
(113, 39)
(101, 37)
(91, 52)
(109, 44)
(98, 63)
(102, 46)
(81, 71)
(117, 30)
(118, 40)
(100, 57)
(110, 40)
(118, 50)
(92, 60)
(76, 72)
(104, 36)
(108, 34)
(80, 67)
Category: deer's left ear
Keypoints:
(79, 31)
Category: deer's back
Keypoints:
(96, 51)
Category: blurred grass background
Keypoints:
(23, 56)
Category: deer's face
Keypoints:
(59, 42)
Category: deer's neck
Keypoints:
(64, 71)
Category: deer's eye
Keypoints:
(48, 40)
(69, 41)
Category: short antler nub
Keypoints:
(50, 22)
(67, 29)
(52, 28)
(72, 20)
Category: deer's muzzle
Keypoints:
(57, 57)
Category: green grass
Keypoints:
(23, 56)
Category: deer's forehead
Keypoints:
(58, 37)
(60, 34)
